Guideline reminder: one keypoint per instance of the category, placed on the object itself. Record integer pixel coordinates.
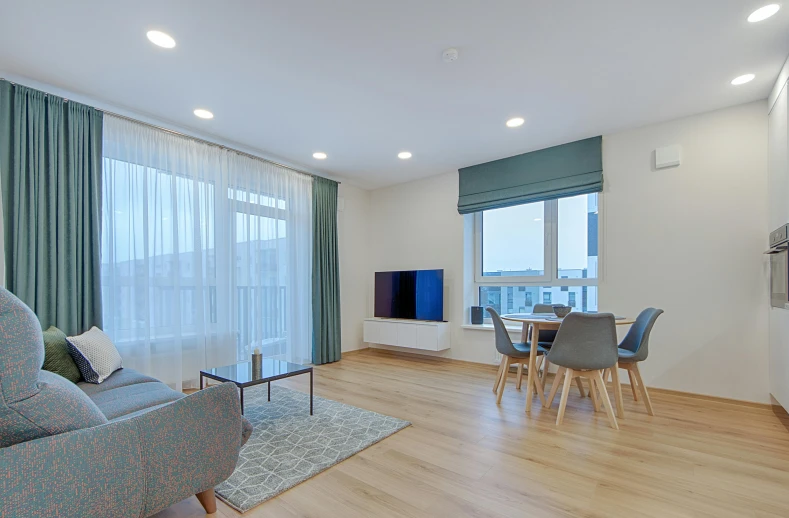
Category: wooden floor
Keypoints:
(465, 456)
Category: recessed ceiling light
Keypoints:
(161, 39)
(763, 13)
(319, 155)
(537, 219)
(404, 155)
(514, 123)
(741, 80)
(204, 114)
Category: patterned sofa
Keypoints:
(130, 446)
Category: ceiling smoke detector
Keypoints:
(450, 55)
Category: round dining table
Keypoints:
(549, 321)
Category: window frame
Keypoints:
(548, 257)
(551, 241)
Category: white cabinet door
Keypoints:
(371, 333)
(388, 333)
(778, 152)
(406, 335)
(778, 160)
(427, 338)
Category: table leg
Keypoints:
(310, 391)
(201, 381)
(525, 333)
(535, 329)
(242, 400)
(269, 390)
(620, 407)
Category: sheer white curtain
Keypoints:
(206, 254)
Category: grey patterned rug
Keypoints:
(288, 446)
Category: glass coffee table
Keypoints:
(241, 374)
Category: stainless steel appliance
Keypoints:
(779, 267)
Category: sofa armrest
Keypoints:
(133, 467)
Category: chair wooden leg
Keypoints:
(555, 387)
(633, 385)
(620, 406)
(606, 400)
(643, 388)
(520, 376)
(568, 379)
(498, 375)
(545, 365)
(593, 393)
(207, 499)
(580, 385)
(504, 376)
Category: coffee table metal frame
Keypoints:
(268, 380)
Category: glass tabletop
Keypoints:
(242, 372)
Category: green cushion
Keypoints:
(56, 356)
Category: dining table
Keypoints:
(549, 321)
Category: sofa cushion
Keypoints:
(120, 401)
(56, 356)
(119, 378)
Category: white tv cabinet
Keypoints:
(413, 334)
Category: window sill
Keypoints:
(489, 327)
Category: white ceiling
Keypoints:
(364, 79)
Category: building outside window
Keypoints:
(548, 249)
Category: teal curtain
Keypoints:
(547, 174)
(50, 173)
(326, 336)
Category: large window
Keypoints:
(545, 252)
(206, 254)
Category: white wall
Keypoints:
(353, 231)
(688, 239)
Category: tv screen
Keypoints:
(414, 294)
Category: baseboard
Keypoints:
(429, 357)
(652, 390)
(719, 399)
(354, 351)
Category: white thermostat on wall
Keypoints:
(669, 156)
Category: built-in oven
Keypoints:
(779, 267)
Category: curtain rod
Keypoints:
(197, 139)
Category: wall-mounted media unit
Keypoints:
(412, 294)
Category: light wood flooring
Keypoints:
(465, 456)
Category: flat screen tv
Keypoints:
(413, 294)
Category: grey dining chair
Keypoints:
(585, 346)
(511, 353)
(635, 349)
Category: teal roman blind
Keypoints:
(555, 172)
